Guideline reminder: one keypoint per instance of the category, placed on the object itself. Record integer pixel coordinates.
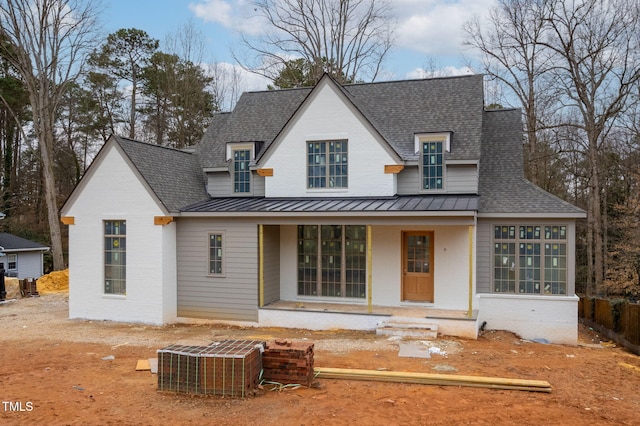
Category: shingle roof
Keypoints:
(13, 242)
(408, 203)
(397, 109)
(174, 176)
(502, 186)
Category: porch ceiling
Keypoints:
(395, 204)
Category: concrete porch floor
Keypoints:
(406, 311)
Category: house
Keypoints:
(20, 257)
(339, 206)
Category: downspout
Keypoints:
(369, 271)
(470, 310)
(261, 265)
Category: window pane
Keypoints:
(216, 254)
(332, 260)
(432, 165)
(241, 172)
(115, 256)
(327, 164)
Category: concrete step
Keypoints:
(408, 327)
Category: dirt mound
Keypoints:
(55, 282)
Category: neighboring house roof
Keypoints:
(174, 176)
(10, 242)
(502, 186)
(389, 205)
(396, 109)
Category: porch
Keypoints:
(325, 316)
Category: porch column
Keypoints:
(369, 271)
(261, 265)
(470, 311)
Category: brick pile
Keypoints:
(288, 362)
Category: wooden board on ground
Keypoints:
(433, 379)
(143, 365)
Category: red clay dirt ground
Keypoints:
(52, 372)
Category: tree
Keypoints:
(14, 102)
(348, 39)
(45, 41)
(179, 105)
(512, 54)
(598, 47)
(124, 55)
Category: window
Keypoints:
(216, 254)
(432, 165)
(241, 172)
(327, 164)
(332, 260)
(12, 261)
(115, 256)
(530, 259)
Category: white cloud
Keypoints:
(237, 15)
(434, 27)
(448, 71)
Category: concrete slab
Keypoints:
(413, 350)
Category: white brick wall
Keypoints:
(554, 318)
(328, 117)
(151, 261)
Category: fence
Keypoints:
(617, 319)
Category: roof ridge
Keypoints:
(124, 138)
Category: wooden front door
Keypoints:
(417, 266)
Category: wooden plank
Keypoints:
(433, 379)
(162, 220)
(393, 168)
(143, 365)
(265, 172)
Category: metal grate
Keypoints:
(226, 368)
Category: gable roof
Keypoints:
(10, 242)
(502, 186)
(396, 109)
(173, 175)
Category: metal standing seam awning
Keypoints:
(395, 204)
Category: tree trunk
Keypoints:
(43, 124)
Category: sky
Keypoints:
(429, 32)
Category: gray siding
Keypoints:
(29, 264)
(271, 263)
(233, 296)
(462, 179)
(219, 184)
(408, 181)
(459, 179)
(483, 256)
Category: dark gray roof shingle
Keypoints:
(502, 186)
(174, 176)
(397, 110)
(13, 242)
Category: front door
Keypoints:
(417, 266)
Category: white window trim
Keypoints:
(431, 137)
(233, 146)
(15, 260)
